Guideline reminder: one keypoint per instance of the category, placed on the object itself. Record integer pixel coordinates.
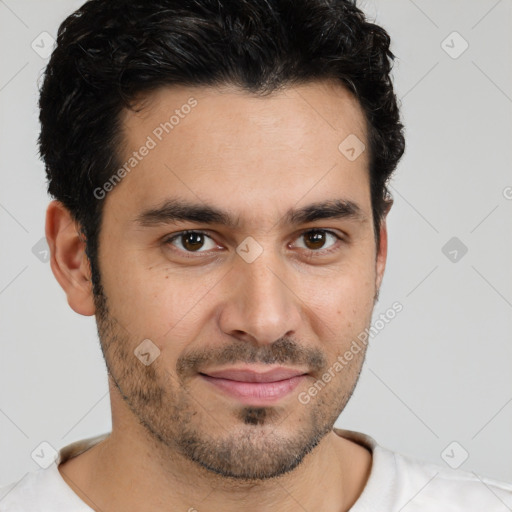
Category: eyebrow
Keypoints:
(175, 210)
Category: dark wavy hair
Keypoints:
(109, 52)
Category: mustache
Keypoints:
(282, 351)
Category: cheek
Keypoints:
(342, 307)
(152, 302)
(346, 291)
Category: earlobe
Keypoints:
(68, 259)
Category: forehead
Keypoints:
(223, 145)
(323, 105)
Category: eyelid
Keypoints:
(190, 254)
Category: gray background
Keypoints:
(438, 373)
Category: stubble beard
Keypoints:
(256, 443)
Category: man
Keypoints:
(219, 172)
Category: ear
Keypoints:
(382, 250)
(68, 259)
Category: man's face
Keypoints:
(271, 291)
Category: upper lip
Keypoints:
(247, 375)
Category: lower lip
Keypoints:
(256, 393)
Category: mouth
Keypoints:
(252, 387)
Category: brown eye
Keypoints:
(315, 240)
(190, 241)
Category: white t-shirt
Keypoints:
(396, 483)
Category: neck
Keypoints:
(129, 472)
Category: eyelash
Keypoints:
(188, 254)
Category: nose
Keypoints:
(261, 305)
